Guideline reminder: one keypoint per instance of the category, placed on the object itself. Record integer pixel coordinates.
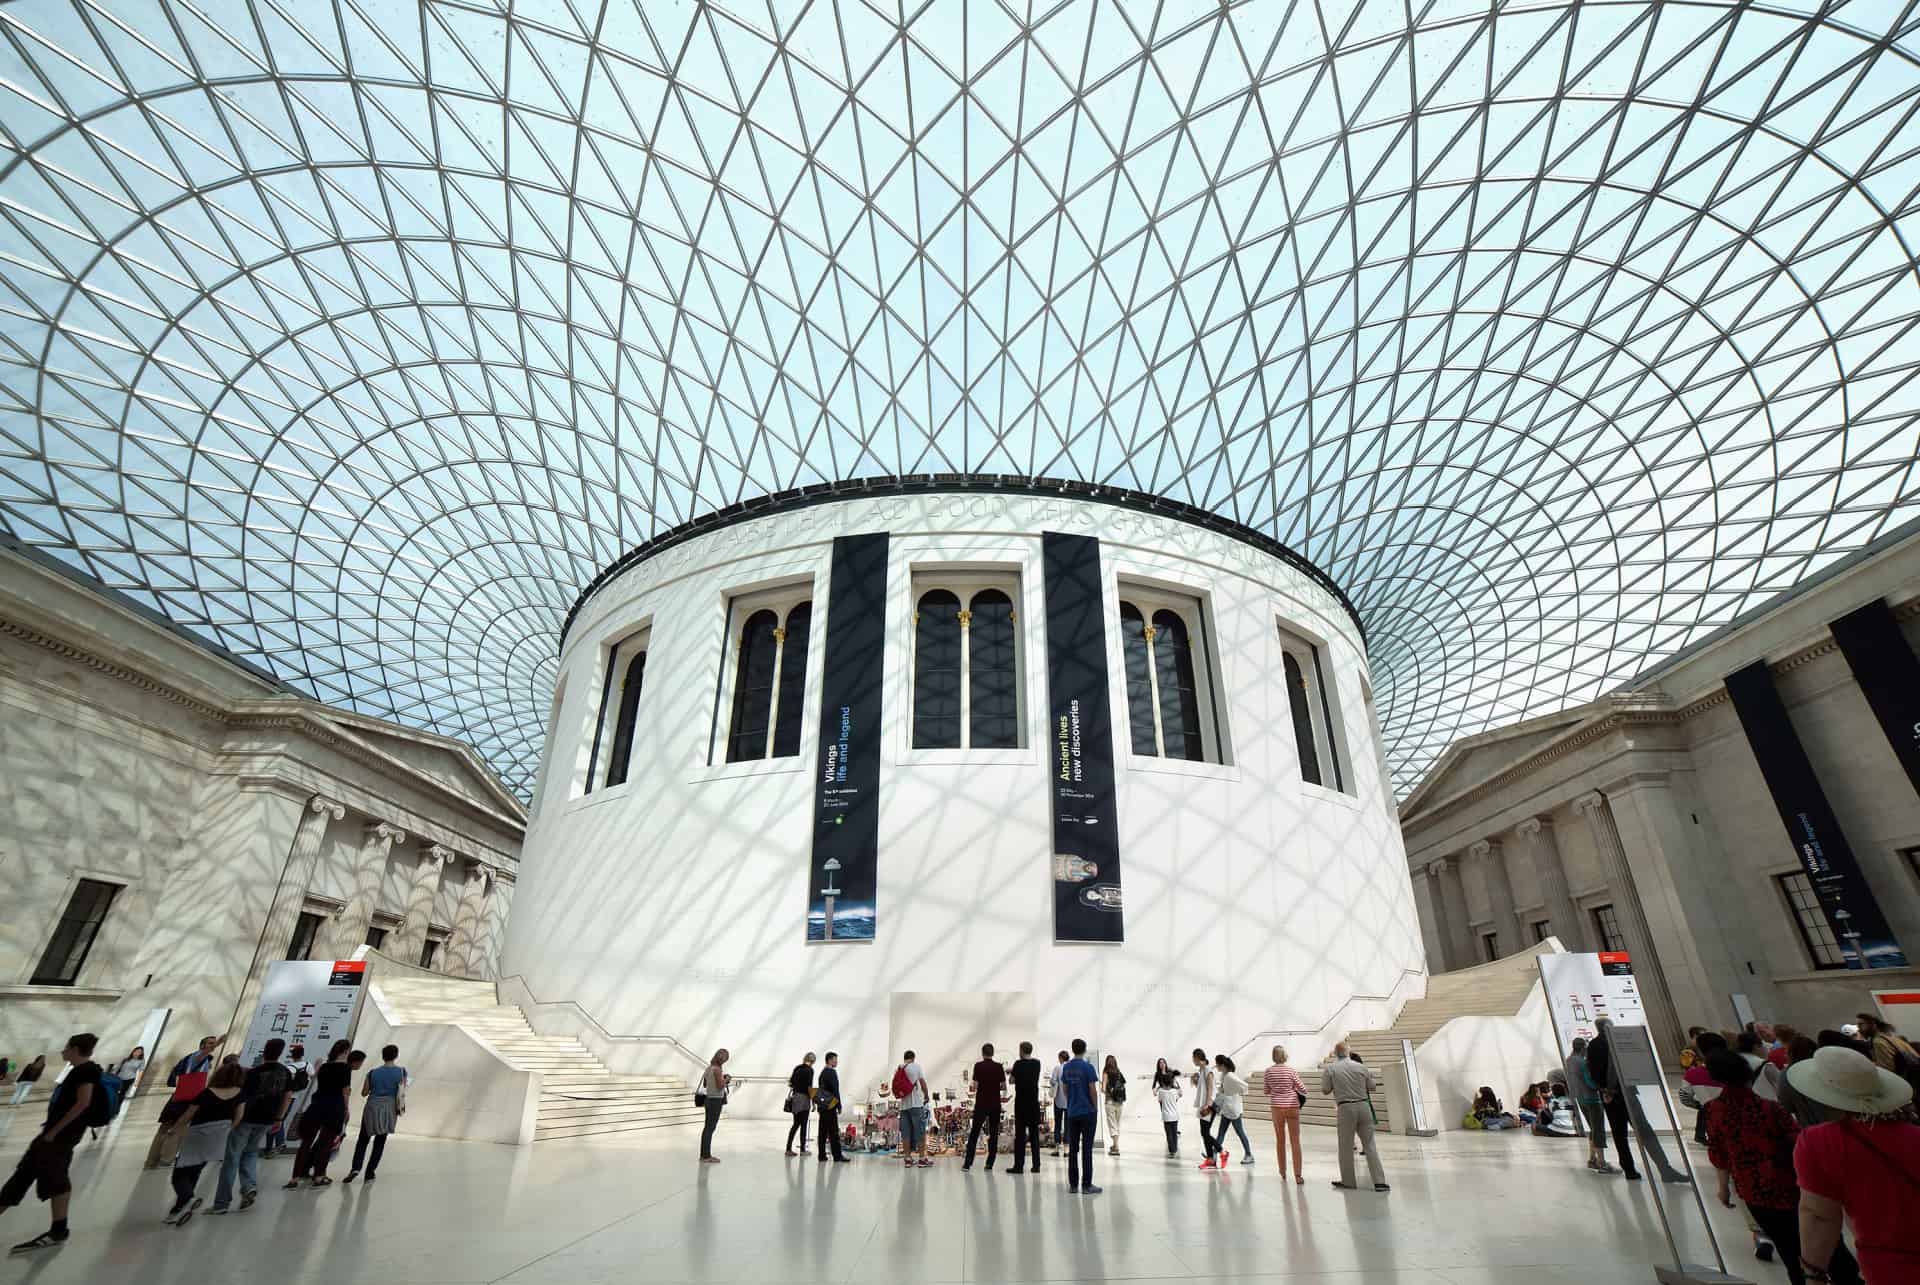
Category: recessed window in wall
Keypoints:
(431, 951)
(1167, 658)
(966, 662)
(376, 936)
(763, 690)
(1606, 928)
(74, 935)
(305, 929)
(1310, 704)
(1542, 929)
(618, 712)
(1489, 946)
(1816, 934)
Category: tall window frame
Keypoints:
(1171, 676)
(760, 705)
(1312, 708)
(616, 715)
(76, 932)
(1606, 927)
(1823, 949)
(967, 689)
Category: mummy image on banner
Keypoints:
(846, 811)
(1086, 839)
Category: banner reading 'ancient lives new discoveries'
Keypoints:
(1086, 840)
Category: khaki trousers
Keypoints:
(1357, 1119)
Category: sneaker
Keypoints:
(221, 1209)
(1381, 1186)
(1073, 1191)
(247, 1198)
(186, 1213)
(1764, 1251)
(1208, 1163)
(371, 1175)
(1088, 1189)
(1016, 1172)
(351, 1175)
(966, 1168)
(45, 1240)
(1247, 1160)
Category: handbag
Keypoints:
(190, 1085)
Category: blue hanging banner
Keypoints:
(1851, 909)
(1086, 839)
(1888, 673)
(846, 810)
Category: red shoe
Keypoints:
(1208, 1163)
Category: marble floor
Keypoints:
(1466, 1209)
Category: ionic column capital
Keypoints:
(1437, 867)
(1532, 826)
(1484, 848)
(1592, 801)
(439, 854)
(378, 832)
(321, 805)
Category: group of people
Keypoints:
(1076, 1091)
(220, 1112)
(1809, 1133)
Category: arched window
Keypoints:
(791, 698)
(936, 671)
(1170, 677)
(753, 687)
(623, 727)
(993, 704)
(1139, 667)
(1301, 704)
(1179, 697)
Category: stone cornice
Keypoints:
(114, 670)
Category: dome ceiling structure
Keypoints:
(358, 336)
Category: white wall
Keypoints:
(674, 905)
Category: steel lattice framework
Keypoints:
(358, 335)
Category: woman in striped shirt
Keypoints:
(1285, 1096)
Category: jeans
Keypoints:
(990, 1121)
(913, 1128)
(1173, 1136)
(1080, 1130)
(20, 1091)
(830, 1132)
(379, 1141)
(799, 1126)
(1026, 1133)
(714, 1107)
(243, 1157)
(1059, 1127)
(1220, 1137)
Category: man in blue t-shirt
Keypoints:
(1082, 1085)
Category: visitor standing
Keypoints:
(1863, 1166)
(800, 1102)
(203, 1128)
(1083, 1112)
(989, 1094)
(1114, 1085)
(1286, 1094)
(1059, 1089)
(130, 1068)
(1026, 1108)
(1203, 1089)
(29, 1076)
(1229, 1106)
(385, 1091)
(1805, 1111)
(281, 1140)
(827, 1098)
(1587, 1098)
(910, 1088)
(1349, 1084)
(1622, 1103)
(712, 1096)
(45, 1165)
(1166, 1091)
(268, 1093)
(1750, 1141)
(324, 1122)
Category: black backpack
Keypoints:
(300, 1080)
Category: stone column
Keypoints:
(1450, 911)
(363, 884)
(493, 928)
(1506, 919)
(1566, 922)
(296, 876)
(410, 938)
(1662, 1018)
(468, 920)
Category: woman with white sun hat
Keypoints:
(1863, 1164)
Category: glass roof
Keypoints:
(358, 336)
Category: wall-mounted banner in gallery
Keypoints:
(306, 1001)
(1086, 839)
(1889, 676)
(846, 808)
(1851, 909)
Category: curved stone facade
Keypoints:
(676, 901)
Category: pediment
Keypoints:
(1473, 759)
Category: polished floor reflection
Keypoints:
(1466, 1209)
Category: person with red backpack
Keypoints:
(910, 1088)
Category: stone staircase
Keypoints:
(579, 1097)
(1486, 990)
